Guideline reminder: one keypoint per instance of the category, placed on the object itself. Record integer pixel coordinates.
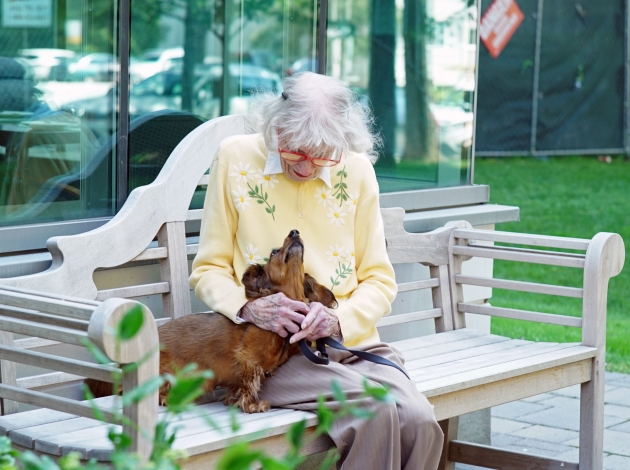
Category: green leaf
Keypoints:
(96, 352)
(120, 440)
(185, 391)
(234, 424)
(336, 271)
(260, 201)
(331, 459)
(142, 391)
(238, 457)
(296, 434)
(337, 185)
(332, 280)
(344, 185)
(273, 208)
(268, 210)
(339, 172)
(325, 416)
(342, 276)
(345, 175)
(269, 463)
(338, 392)
(251, 193)
(130, 324)
(344, 197)
(378, 392)
(338, 196)
(266, 195)
(362, 413)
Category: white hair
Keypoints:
(317, 113)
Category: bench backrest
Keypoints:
(160, 210)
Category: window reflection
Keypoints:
(212, 58)
(413, 62)
(58, 67)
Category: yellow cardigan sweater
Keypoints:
(247, 214)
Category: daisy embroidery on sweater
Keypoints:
(241, 198)
(251, 254)
(336, 216)
(324, 196)
(242, 172)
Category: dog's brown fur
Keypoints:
(240, 355)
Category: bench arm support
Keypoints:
(144, 413)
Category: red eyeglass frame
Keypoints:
(321, 162)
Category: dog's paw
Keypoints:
(256, 407)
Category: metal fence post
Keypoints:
(534, 128)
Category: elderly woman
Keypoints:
(311, 169)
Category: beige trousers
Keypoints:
(404, 435)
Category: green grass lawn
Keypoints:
(567, 196)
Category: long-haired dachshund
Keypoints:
(240, 355)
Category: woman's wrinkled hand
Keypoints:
(320, 322)
(276, 313)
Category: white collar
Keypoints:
(274, 167)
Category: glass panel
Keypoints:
(413, 62)
(58, 72)
(178, 78)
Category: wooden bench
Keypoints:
(460, 370)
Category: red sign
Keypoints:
(498, 24)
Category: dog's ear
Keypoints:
(256, 282)
(317, 293)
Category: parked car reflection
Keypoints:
(163, 90)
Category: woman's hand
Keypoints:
(320, 322)
(276, 313)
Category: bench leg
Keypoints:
(449, 428)
(592, 418)
(7, 375)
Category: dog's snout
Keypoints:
(294, 233)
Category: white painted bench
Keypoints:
(460, 370)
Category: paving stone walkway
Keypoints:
(548, 424)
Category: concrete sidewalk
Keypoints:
(548, 424)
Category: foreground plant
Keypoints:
(185, 387)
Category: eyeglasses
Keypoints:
(295, 157)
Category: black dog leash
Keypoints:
(324, 359)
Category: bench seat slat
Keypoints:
(495, 372)
(523, 239)
(521, 286)
(424, 374)
(520, 314)
(470, 352)
(408, 317)
(56, 333)
(98, 446)
(213, 440)
(452, 346)
(432, 340)
(558, 259)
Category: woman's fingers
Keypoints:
(313, 328)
